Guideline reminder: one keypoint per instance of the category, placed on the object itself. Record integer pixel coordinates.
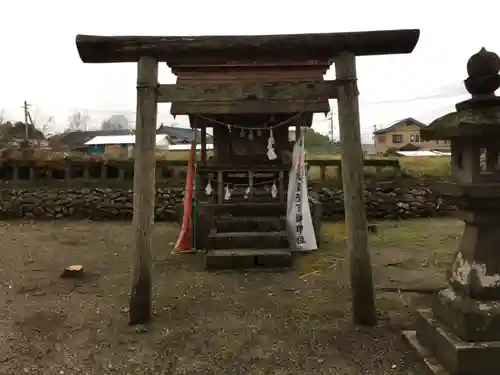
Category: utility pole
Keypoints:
(330, 132)
(85, 119)
(331, 126)
(26, 116)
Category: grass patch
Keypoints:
(416, 234)
(178, 155)
(416, 242)
(413, 166)
(334, 243)
(426, 166)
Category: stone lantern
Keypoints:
(461, 333)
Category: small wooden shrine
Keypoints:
(241, 188)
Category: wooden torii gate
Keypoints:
(341, 48)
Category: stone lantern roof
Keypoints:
(478, 116)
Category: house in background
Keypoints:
(404, 135)
(122, 146)
(77, 140)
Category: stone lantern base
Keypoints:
(459, 336)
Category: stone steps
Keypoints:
(250, 224)
(248, 232)
(247, 240)
(253, 209)
(247, 258)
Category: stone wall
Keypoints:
(403, 199)
(398, 199)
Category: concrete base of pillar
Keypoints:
(468, 318)
(445, 353)
(434, 367)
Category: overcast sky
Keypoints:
(40, 62)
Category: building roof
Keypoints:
(187, 147)
(410, 147)
(119, 140)
(79, 138)
(175, 135)
(394, 126)
(181, 135)
(423, 153)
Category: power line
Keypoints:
(381, 102)
(445, 91)
(440, 92)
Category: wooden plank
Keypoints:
(248, 234)
(248, 252)
(363, 298)
(366, 162)
(249, 107)
(144, 191)
(220, 187)
(281, 188)
(243, 91)
(196, 49)
(204, 143)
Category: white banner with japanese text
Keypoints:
(298, 214)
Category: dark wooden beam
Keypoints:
(242, 91)
(248, 68)
(204, 143)
(200, 49)
(249, 107)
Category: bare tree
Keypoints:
(46, 125)
(2, 116)
(78, 121)
(116, 122)
(40, 121)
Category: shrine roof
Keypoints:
(175, 49)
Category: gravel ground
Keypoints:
(231, 322)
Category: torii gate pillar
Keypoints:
(363, 296)
(144, 189)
